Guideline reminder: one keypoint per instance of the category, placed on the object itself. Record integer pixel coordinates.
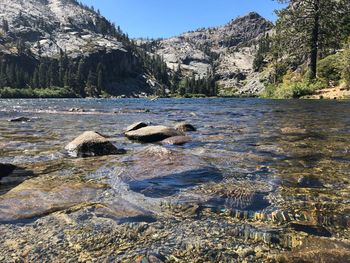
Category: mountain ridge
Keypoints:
(226, 51)
(48, 28)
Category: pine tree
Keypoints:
(10, 73)
(80, 76)
(346, 71)
(5, 25)
(306, 27)
(42, 75)
(100, 78)
(263, 48)
(90, 88)
(35, 79)
(53, 80)
(62, 64)
(66, 78)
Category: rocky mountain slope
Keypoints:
(49, 26)
(92, 55)
(102, 58)
(227, 51)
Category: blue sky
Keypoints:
(166, 18)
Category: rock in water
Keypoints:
(6, 169)
(19, 119)
(11, 176)
(177, 140)
(315, 249)
(309, 182)
(92, 144)
(159, 172)
(152, 134)
(185, 127)
(41, 196)
(293, 131)
(136, 126)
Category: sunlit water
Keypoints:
(242, 162)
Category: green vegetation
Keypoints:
(54, 92)
(309, 50)
(346, 69)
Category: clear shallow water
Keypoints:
(264, 163)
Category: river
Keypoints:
(259, 180)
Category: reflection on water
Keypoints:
(276, 167)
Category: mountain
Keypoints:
(91, 55)
(227, 52)
(49, 26)
(70, 47)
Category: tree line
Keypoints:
(307, 32)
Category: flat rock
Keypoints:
(293, 131)
(135, 126)
(90, 144)
(39, 197)
(177, 140)
(315, 249)
(11, 176)
(153, 134)
(156, 171)
(185, 127)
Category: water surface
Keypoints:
(275, 170)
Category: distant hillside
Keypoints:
(64, 48)
(227, 52)
(62, 43)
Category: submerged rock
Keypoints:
(152, 134)
(293, 131)
(92, 144)
(19, 119)
(177, 140)
(311, 229)
(6, 169)
(315, 249)
(241, 200)
(38, 197)
(11, 176)
(309, 182)
(135, 126)
(159, 172)
(185, 127)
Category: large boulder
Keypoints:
(90, 144)
(135, 126)
(153, 134)
(185, 127)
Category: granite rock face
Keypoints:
(230, 49)
(49, 26)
